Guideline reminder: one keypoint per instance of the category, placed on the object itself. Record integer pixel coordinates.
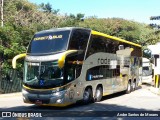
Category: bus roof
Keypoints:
(114, 38)
(61, 29)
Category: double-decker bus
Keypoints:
(65, 65)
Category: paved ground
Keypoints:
(140, 100)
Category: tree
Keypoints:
(46, 7)
(23, 19)
(154, 36)
(79, 16)
(129, 30)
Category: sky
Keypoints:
(136, 10)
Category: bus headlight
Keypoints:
(59, 93)
(60, 100)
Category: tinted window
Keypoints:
(102, 72)
(49, 42)
(101, 44)
(104, 44)
(79, 39)
(71, 66)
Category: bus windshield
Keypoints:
(43, 75)
(49, 42)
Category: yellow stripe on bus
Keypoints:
(63, 57)
(114, 38)
(48, 88)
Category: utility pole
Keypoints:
(1, 13)
(1, 56)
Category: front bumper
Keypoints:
(46, 98)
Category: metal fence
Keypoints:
(10, 82)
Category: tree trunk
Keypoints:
(1, 91)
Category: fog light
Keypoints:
(60, 100)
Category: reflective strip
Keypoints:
(67, 86)
(114, 38)
(15, 59)
(61, 60)
(57, 105)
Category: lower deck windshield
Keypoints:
(43, 75)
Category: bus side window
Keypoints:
(111, 46)
(96, 44)
(70, 74)
(79, 39)
(78, 71)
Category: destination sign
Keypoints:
(49, 37)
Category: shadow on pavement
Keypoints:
(78, 105)
(79, 111)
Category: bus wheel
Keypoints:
(99, 94)
(128, 87)
(134, 85)
(87, 96)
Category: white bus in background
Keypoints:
(146, 71)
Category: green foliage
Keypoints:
(129, 30)
(22, 19)
(46, 7)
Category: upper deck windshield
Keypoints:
(49, 42)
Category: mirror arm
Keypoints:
(15, 59)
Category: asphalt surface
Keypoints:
(119, 106)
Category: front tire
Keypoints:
(87, 96)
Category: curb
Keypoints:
(11, 94)
(155, 90)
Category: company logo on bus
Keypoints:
(95, 77)
(118, 61)
(90, 77)
(50, 37)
